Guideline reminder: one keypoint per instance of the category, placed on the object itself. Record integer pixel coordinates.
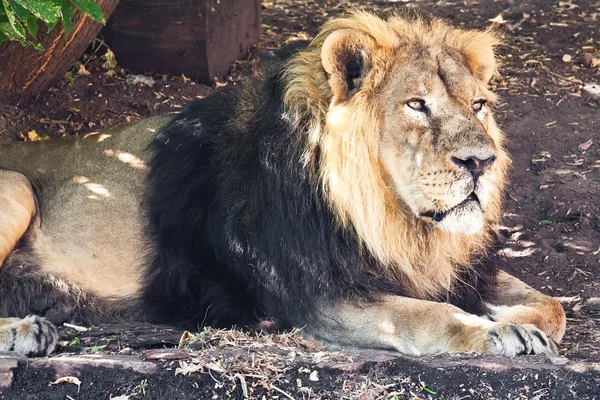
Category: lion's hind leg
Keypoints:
(17, 208)
(31, 336)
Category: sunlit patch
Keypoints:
(127, 158)
(101, 136)
(337, 116)
(508, 252)
(97, 188)
(578, 248)
(473, 320)
(98, 191)
(388, 327)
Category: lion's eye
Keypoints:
(417, 104)
(478, 105)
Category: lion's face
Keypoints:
(417, 89)
(436, 146)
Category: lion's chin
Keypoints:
(466, 218)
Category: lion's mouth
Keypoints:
(465, 205)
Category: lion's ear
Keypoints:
(345, 57)
(478, 48)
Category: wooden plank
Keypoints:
(200, 39)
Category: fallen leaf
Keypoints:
(81, 70)
(98, 190)
(567, 5)
(589, 48)
(498, 20)
(67, 379)
(586, 145)
(314, 376)
(33, 136)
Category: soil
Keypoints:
(550, 236)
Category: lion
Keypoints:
(350, 189)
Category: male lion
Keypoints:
(350, 189)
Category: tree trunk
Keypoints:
(24, 70)
(198, 38)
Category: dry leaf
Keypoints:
(586, 145)
(67, 379)
(567, 5)
(81, 70)
(498, 20)
(33, 136)
(589, 48)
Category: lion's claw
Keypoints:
(31, 336)
(513, 340)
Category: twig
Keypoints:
(286, 394)
(566, 78)
(243, 384)
(76, 327)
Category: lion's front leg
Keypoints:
(417, 327)
(519, 303)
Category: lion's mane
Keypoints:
(263, 204)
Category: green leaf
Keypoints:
(45, 10)
(32, 25)
(50, 26)
(26, 43)
(20, 11)
(96, 349)
(67, 15)
(2, 37)
(90, 8)
(7, 30)
(16, 26)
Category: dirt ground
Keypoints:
(550, 234)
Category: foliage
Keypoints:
(19, 18)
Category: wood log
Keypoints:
(24, 70)
(198, 38)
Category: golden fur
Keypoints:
(346, 133)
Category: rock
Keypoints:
(135, 79)
(6, 371)
(593, 90)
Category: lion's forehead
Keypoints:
(438, 74)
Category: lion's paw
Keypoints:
(31, 336)
(513, 340)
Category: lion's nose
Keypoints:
(474, 165)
